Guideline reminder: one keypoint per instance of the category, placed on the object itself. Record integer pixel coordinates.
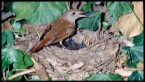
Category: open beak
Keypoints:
(82, 14)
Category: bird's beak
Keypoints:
(82, 14)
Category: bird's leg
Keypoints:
(60, 42)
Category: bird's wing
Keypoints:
(60, 31)
(57, 31)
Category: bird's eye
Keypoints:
(73, 13)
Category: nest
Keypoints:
(61, 63)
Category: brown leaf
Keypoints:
(140, 66)
(7, 25)
(128, 24)
(123, 72)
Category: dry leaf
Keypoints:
(123, 72)
(7, 25)
(140, 66)
(128, 24)
(75, 66)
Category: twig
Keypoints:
(22, 73)
(98, 32)
(67, 4)
(99, 42)
(4, 76)
(37, 33)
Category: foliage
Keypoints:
(136, 76)
(103, 77)
(7, 37)
(135, 53)
(38, 13)
(116, 9)
(16, 58)
(91, 22)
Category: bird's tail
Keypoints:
(38, 45)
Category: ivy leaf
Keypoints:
(16, 26)
(91, 22)
(136, 76)
(106, 25)
(69, 79)
(116, 9)
(21, 31)
(5, 59)
(3, 38)
(8, 74)
(133, 65)
(39, 12)
(138, 40)
(27, 59)
(50, 79)
(86, 7)
(12, 56)
(137, 53)
(103, 77)
(9, 36)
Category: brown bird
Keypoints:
(59, 29)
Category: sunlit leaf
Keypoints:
(16, 26)
(106, 25)
(39, 12)
(15, 57)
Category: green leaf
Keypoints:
(69, 79)
(125, 49)
(8, 74)
(13, 56)
(39, 12)
(116, 9)
(49, 79)
(86, 8)
(19, 65)
(106, 25)
(3, 38)
(130, 64)
(9, 36)
(104, 77)
(136, 53)
(138, 40)
(136, 76)
(91, 22)
(95, 2)
(21, 31)
(5, 59)
(16, 26)
(27, 59)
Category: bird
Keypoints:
(59, 29)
